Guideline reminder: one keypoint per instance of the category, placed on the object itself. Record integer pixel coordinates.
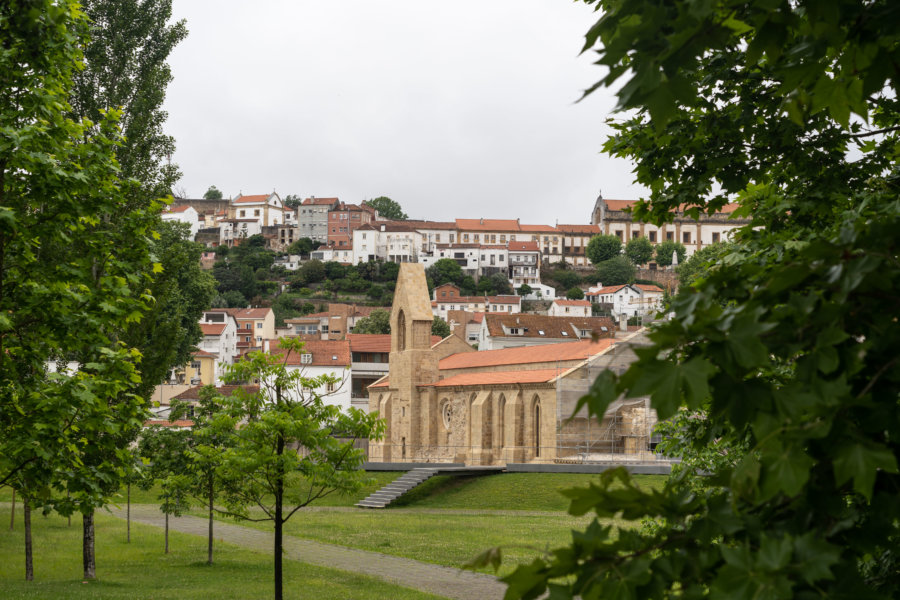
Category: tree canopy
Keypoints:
(639, 251)
(787, 355)
(603, 247)
(615, 271)
(387, 208)
(212, 193)
(665, 250)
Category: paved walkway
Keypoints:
(435, 579)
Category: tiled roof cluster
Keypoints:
(565, 351)
(546, 327)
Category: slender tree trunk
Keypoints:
(279, 508)
(29, 560)
(87, 545)
(70, 514)
(128, 513)
(167, 533)
(209, 549)
(12, 513)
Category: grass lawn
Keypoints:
(141, 569)
(438, 534)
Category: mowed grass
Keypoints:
(433, 523)
(141, 569)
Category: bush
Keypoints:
(575, 293)
(615, 271)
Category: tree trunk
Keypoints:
(12, 513)
(167, 533)
(279, 508)
(128, 513)
(209, 549)
(29, 561)
(87, 545)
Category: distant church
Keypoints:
(450, 403)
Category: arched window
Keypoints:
(401, 331)
(537, 428)
(501, 421)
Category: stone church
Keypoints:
(448, 402)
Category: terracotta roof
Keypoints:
(204, 354)
(524, 246)
(565, 351)
(627, 204)
(647, 288)
(608, 289)
(478, 317)
(325, 353)
(212, 328)
(499, 377)
(505, 299)
(545, 327)
(319, 201)
(559, 302)
(225, 390)
(588, 229)
(381, 384)
(431, 224)
(387, 225)
(488, 224)
(371, 342)
(540, 228)
(164, 423)
(179, 209)
(248, 313)
(250, 199)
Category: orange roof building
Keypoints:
(448, 403)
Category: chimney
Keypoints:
(482, 220)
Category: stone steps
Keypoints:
(397, 488)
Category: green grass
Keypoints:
(438, 537)
(141, 569)
(509, 491)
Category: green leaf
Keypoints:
(861, 462)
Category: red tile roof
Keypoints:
(204, 354)
(583, 229)
(164, 423)
(325, 353)
(609, 289)
(178, 209)
(370, 342)
(627, 204)
(539, 228)
(499, 377)
(432, 225)
(524, 247)
(212, 328)
(319, 201)
(225, 390)
(392, 226)
(546, 327)
(566, 351)
(248, 313)
(559, 302)
(648, 288)
(251, 199)
(488, 224)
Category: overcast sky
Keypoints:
(453, 109)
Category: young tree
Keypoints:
(791, 349)
(440, 327)
(387, 208)
(639, 251)
(603, 247)
(291, 448)
(445, 270)
(575, 293)
(165, 452)
(615, 271)
(379, 321)
(524, 289)
(665, 251)
(213, 193)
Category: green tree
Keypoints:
(639, 251)
(575, 293)
(615, 271)
(445, 270)
(293, 201)
(700, 262)
(789, 350)
(664, 251)
(387, 208)
(500, 284)
(379, 321)
(440, 327)
(524, 289)
(312, 272)
(566, 278)
(125, 69)
(260, 467)
(303, 246)
(164, 451)
(603, 247)
(212, 193)
(68, 280)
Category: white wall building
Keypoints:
(386, 242)
(184, 214)
(570, 308)
(219, 338)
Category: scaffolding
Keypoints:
(624, 434)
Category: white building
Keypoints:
(267, 209)
(233, 231)
(220, 339)
(570, 308)
(324, 357)
(184, 214)
(628, 300)
(386, 241)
